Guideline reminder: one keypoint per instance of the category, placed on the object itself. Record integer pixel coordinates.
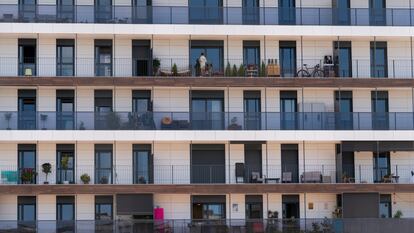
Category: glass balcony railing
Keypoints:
(314, 171)
(206, 15)
(215, 67)
(206, 121)
(271, 225)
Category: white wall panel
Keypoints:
(123, 57)
(85, 157)
(46, 207)
(85, 207)
(323, 205)
(9, 56)
(123, 163)
(172, 161)
(8, 207)
(85, 54)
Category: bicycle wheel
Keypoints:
(318, 73)
(302, 73)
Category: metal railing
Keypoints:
(323, 173)
(206, 120)
(337, 225)
(219, 67)
(206, 15)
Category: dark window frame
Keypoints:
(60, 44)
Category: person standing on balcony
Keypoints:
(202, 60)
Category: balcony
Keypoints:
(183, 67)
(286, 174)
(206, 15)
(232, 121)
(224, 225)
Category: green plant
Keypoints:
(156, 63)
(262, 71)
(64, 164)
(234, 71)
(398, 214)
(27, 175)
(174, 70)
(337, 213)
(47, 169)
(85, 178)
(227, 71)
(242, 71)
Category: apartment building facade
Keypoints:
(206, 115)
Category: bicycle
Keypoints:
(316, 71)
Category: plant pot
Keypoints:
(46, 182)
(66, 182)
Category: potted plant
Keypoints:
(174, 70)
(234, 71)
(47, 169)
(43, 118)
(398, 214)
(242, 71)
(85, 178)
(227, 71)
(156, 63)
(27, 176)
(103, 180)
(8, 116)
(64, 164)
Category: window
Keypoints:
(65, 10)
(27, 163)
(27, 57)
(209, 207)
(103, 207)
(103, 57)
(27, 10)
(251, 12)
(141, 56)
(287, 12)
(213, 52)
(343, 12)
(207, 163)
(142, 11)
(103, 164)
(65, 163)
(343, 58)
(104, 118)
(379, 60)
(287, 57)
(251, 57)
(26, 208)
(141, 101)
(27, 109)
(288, 110)
(65, 107)
(252, 110)
(382, 167)
(343, 110)
(385, 206)
(103, 11)
(65, 208)
(206, 11)
(254, 207)
(143, 164)
(207, 110)
(380, 114)
(65, 50)
(378, 12)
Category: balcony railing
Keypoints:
(206, 121)
(292, 225)
(311, 172)
(206, 15)
(216, 67)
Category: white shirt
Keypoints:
(202, 60)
